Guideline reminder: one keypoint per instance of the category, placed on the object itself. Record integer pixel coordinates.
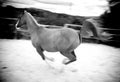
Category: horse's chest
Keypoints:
(45, 42)
(34, 40)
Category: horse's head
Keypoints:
(26, 21)
(21, 23)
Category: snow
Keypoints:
(19, 62)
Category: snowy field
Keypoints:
(19, 62)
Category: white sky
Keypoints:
(72, 7)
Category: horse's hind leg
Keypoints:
(40, 51)
(73, 53)
(70, 55)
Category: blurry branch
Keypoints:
(113, 4)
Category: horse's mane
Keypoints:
(31, 18)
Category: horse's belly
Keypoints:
(49, 48)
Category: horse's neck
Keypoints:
(32, 24)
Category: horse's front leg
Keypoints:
(40, 51)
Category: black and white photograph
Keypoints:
(59, 41)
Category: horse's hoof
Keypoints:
(66, 61)
(51, 59)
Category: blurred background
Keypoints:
(104, 13)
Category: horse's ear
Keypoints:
(25, 11)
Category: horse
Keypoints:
(64, 40)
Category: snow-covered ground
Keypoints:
(19, 62)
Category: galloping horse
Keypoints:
(64, 40)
